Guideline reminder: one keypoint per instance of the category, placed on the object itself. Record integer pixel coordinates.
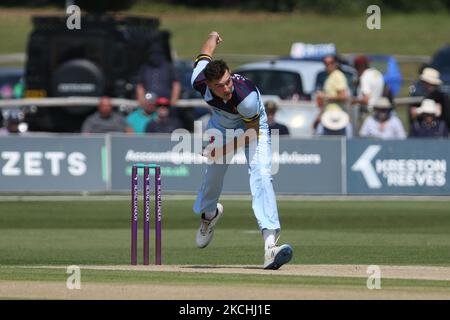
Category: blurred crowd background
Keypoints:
(320, 69)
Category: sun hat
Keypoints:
(428, 106)
(382, 103)
(431, 76)
(334, 118)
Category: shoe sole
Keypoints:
(282, 257)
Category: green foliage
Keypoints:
(88, 5)
(416, 6)
(335, 6)
(317, 6)
(100, 6)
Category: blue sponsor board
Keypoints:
(180, 173)
(407, 167)
(53, 163)
(299, 166)
(309, 166)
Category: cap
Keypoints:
(151, 97)
(162, 101)
(361, 60)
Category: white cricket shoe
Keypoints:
(206, 230)
(276, 256)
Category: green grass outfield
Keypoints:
(381, 232)
(328, 232)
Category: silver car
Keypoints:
(288, 78)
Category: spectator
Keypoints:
(417, 89)
(334, 122)
(141, 117)
(165, 123)
(370, 84)
(383, 123)
(427, 124)
(271, 109)
(430, 79)
(335, 88)
(12, 125)
(105, 119)
(158, 76)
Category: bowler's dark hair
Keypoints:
(215, 70)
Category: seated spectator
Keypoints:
(271, 109)
(141, 117)
(430, 80)
(427, 124)
(334, 122)
(383, 123)
(164, 123)
(105, 120)
(11, 127)
(13, 121)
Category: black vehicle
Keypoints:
(188, 115)
(101, 58)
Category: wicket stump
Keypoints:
(146, 212)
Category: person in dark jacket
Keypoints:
(427, 124)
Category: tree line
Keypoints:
(316, 6)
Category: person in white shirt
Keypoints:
(371, 83)
(383, 123)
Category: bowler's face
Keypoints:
(223, 87)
